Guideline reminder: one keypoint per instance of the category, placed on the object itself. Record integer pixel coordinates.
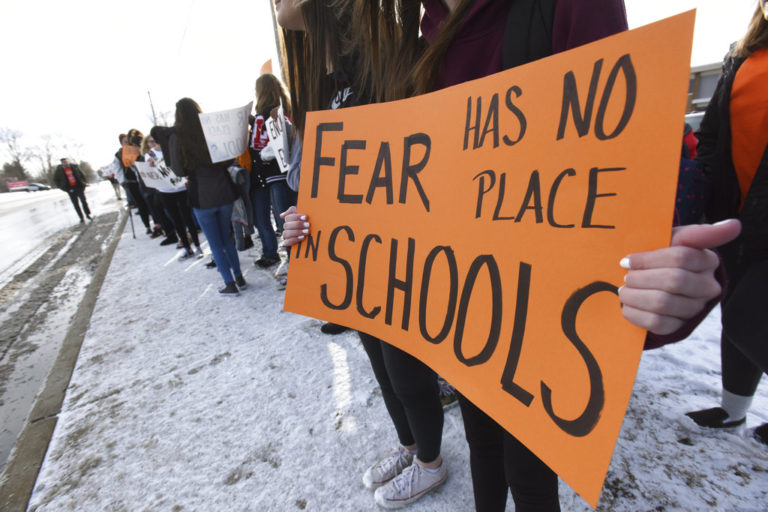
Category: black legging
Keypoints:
(411, 395)
(499, 462)
(138, 198)
(177, 206)
(77, 195)
(743, 363)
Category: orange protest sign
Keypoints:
(480, 229)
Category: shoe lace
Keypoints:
(404, 481)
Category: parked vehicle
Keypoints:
(37, 186)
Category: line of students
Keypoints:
(343, 52)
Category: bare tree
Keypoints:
(44, 153)
(10, 139)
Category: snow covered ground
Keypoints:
(186, 401)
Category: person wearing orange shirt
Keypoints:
(69, 178)
(733, 152)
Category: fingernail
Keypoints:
(624, 263)
(721, 222)
(303, 217)
(305, 231)
(306, 224)
(300, 237)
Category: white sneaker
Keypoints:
(198, 252)
(414, 482)
(387, 468)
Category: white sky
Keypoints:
(79, 71)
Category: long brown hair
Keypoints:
(309, 56)
(756, 37)
(270, 92)
(389, 44)
(192, 146)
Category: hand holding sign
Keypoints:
(295, 226)
(666, 287)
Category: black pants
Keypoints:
(157, 211)
(77, 196)
(499, 462)
(178, 208)
(411, 395)
(744, 358)
(133, 189)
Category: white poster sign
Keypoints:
(160, 177)
(226, 132)
(278, 139)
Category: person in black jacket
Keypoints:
(69, 178)
(211, 191)
(733, 152)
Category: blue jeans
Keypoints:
(262, 221)
(282, 198)
(216, 223)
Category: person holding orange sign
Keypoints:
(319, 78)
(667, 291)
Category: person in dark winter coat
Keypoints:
(733, 152)
(211, 191)
(69, 178)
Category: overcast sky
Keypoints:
(80, 71)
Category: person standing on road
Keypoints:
(69, 178)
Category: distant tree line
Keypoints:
(34, 163)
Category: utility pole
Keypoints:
(154, 117)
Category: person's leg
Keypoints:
(208, 219)
(485, 438)
(172, 205)
(81, 195)
(182, 200)
(282, 197)
(373, 347)
(740, 379)
(224, 219)
(415, 385)
(160, 216)
(262, 222)
(533, 484)
(138, 198)
(73, 197)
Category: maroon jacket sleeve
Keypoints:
(579, 22)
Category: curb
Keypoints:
(26, 458)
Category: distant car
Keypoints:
(694, 120)
(37, 186)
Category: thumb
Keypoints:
(706, 236)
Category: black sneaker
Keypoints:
(331, 328)
(169, 241)
(211, 264)
(265, 262)
(761, 433)
(230, 289)
(240, 281)
(714, 418)
(187, 254)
